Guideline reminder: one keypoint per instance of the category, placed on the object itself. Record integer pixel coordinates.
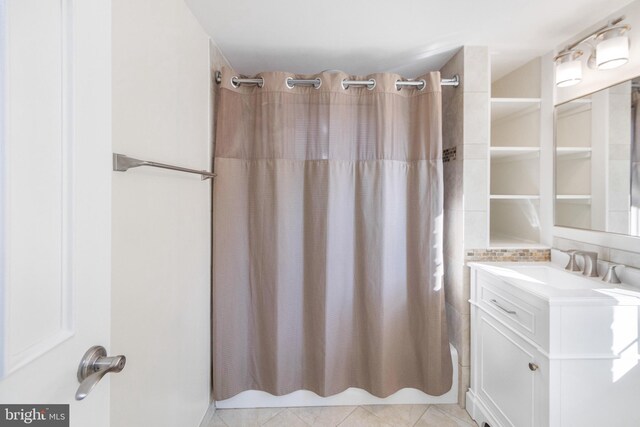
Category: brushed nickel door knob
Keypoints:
(94, 365)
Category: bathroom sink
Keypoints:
(550, 281)
(551, 276)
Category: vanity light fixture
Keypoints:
(609, 49)
(613, 48)
(568, 68)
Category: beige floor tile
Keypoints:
(216, 421)
(433, 417)
(247, 417)
(455, 411)
(360, 417)
(323, 416)
(398, 415)
(285, 419)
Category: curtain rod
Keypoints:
(316, 83)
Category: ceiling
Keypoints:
(407, 37)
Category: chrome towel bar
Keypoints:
(123, 163)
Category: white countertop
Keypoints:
(550, 282)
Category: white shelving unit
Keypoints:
(514, 199)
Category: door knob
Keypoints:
(533, 366)
(94, 365)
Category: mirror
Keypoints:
(598, 160)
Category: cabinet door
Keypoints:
(507, 384)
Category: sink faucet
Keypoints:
(611, 276)
(590, 263)
(572, 265)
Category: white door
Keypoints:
(55, 135)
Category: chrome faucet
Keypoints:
(590, 263)
(572, 265)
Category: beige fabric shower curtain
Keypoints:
(327, 245)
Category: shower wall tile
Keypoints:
(475, 229)
(455, 65)
(464, 381)
(465, 126)
(458, 294)
(475, 184)
(476, 58)
(476, 118)
(454, 323)
(452, 174)
(453, 223)
(476, 151)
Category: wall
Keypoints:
(609, 247)
(161, 219)
(523, 82)
(465, 129)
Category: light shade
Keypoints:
(612, 51)
(568, 69)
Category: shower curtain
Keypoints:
(327, 237)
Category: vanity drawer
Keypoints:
(513, 307)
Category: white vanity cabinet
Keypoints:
(543, 356)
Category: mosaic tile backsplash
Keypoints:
(508, 255)
(448, 154)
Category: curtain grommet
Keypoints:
(344, 87)
(372, 84)
(287, 83)
(424, 84)
(317, 86)
(234, 82)
(398, 88)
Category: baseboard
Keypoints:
(207, 420)
(479, 412)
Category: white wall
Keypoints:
(161, 219)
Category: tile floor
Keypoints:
(346, 416)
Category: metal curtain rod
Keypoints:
(123, 163)
(316, 83)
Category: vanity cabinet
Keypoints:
(541, 361)
(508, 370)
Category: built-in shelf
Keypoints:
(513, 153)
(514, 169)
(567, 153)
(574, 198)
(502, 108)
(514, 197)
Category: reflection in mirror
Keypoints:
(598, 160)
